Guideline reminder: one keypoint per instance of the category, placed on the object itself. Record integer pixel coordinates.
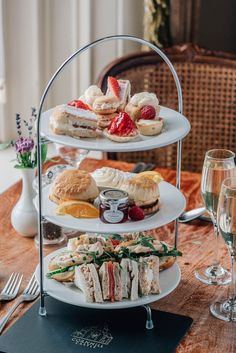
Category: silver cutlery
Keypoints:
(192, 214)
(12, 287)
(30, 293)
(142, 167)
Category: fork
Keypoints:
(12, 287)
(30, 293)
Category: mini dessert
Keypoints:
(106, 105)
(104, 120)
(140, 100)
(121, 129)
(78, 209)
(73, 185)
(120, 89)
(90, 94)
(107, 177)
(143, 192)
(72, 121)
(149, 127)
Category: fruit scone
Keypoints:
(75, 119)
(144, 110)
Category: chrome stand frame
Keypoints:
(42, 309)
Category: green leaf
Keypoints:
(116, 237)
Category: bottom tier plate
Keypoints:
(169, 280)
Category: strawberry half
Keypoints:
(148, 112)
(114, 86)
(79, 104)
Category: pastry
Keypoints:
(120, 89)
(104, 120)
(73, 185)
(143, 192)
(139, 101)
(90, 94)
(106, 105)
(121, 129)
(111, 178)
(149, 127)
(72, 121)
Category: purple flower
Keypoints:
(24, 144)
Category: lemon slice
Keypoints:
(78, 209)
(151, 174)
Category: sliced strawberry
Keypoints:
(114, 86)
(79, 104)
(121, 125)
(148, 112)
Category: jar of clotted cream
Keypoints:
(114, 206)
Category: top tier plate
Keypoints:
(176, 127)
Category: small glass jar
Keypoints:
(114, 206)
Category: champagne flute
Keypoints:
(226, 218)
(218, 165)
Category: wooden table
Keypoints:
(191, 298)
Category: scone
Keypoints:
(144, 193)
(73, 185)
(121, 129)
(75, 122)
(149, 127)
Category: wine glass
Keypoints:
(218, 165)
(226, 218)
(72, 155)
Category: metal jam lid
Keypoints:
(114, 195)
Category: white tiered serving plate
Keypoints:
(172, 204)
(169, 280)
(176, 127)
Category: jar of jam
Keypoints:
(114, 205)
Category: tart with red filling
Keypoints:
(121, 129)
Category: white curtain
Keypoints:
(36, 36)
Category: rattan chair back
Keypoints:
(209, 97)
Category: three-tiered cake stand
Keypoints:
(172, 200)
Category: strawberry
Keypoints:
(148, 112)
(114, 86)
(136, 213)
(79, 104)
(121, 125)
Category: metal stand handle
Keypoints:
(149, 322)
(42, 310)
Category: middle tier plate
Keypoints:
(172, 204)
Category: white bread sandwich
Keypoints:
(149, 275)
(75, 122)
(75, 185)
(110, 279)
(86, 279)
(130, 279)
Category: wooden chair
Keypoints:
(209, 98)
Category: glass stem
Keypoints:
(216, 247)
(233, 278)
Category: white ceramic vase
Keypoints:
(24, 215)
